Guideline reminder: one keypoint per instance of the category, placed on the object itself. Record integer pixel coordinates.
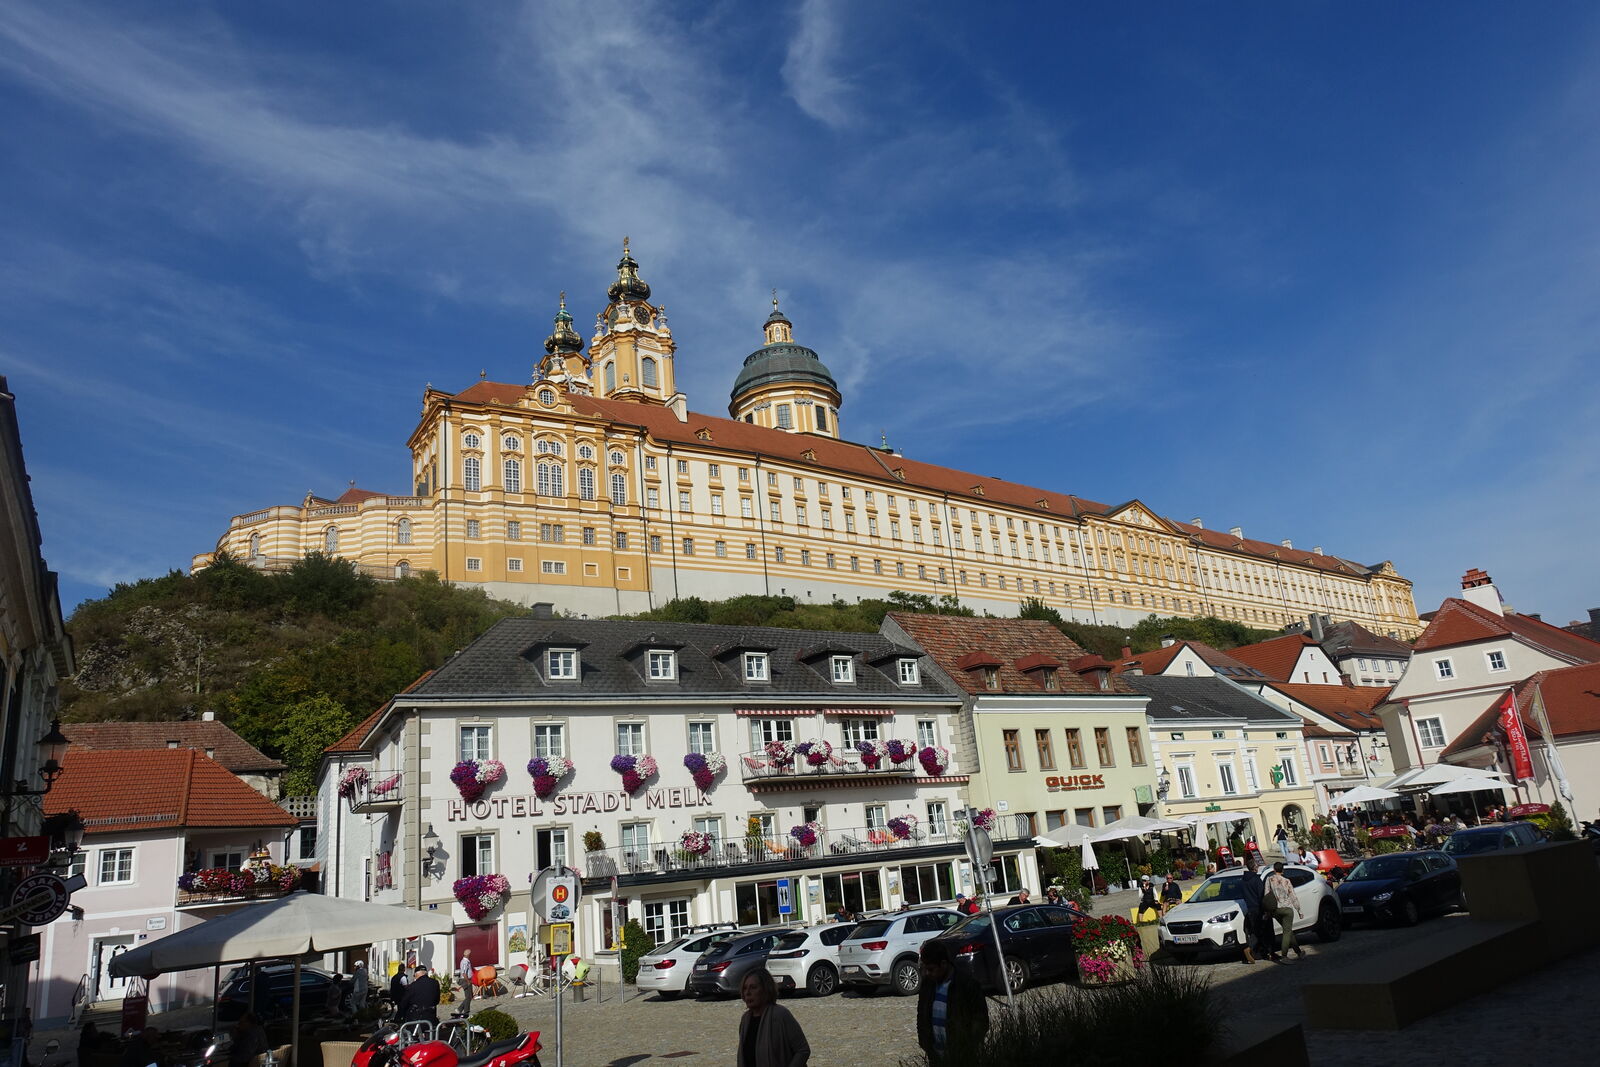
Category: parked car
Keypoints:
(882, 952)
(1035, 940)
(665, 968)
(1400, 887)
(277, 992)
(1491, 837)
(723, 965)
(809, 959)
(1212, 918)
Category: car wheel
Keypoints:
(1461, 900)
(822, 981)
(1408, 912)
(907, 978)
(1016, 974)
(1330, 924)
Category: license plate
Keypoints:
(1185, 939)
(851, 968)
(700, 967)
(1353, 909)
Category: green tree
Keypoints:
(636, 941)
(323, 585)
(305, 729)
(1559, 823)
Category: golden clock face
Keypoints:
(641, 314)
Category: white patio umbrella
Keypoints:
(1364, 794)
(1471, 785)
(1090, 861)
(290, 926)
(1067, 835)
(1134, 826)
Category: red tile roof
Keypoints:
(1353, 706)
(353, 495)
(953, 639)
(1158, 660)
(1571, 699)
(1460, 622)
(863, 461)
(1276, 656)
(207, 735)
(128, 790)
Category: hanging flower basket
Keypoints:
(256, 880)
(903, 826)
(352, 781)
(480, 894)
(900, 751)
(635, 771)
(547, 773)
(935, 758)
(472, 777)
(985, 819)
(872, 753)
(815, 751)
(780, 753)
(806, 834)
(704, 768)
(1108, 948)
(695, 843)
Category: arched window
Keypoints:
(472, 474)
(619, 490)
(785, 417)
(330, 540)
(822, 418)
(402, 569)
(550, 448)
(648, 373)
(255, 546)
(585, 483)
(511, 475)
(552, 479)
(402, 532)
(611, 377)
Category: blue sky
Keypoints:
(1328, 272)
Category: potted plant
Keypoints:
(635, 771)
(695, 843)
(704, 768)
(472, 777)
(815, 751)
(872, 753)
(780, 753)
(805, 834)
(934, 758)
(479, 894)
(547, 773)
(593, 841)
(1109, 949)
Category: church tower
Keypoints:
(563, 363)
(784, 385)
(632, 350)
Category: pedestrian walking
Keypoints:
(358, 987)
(421, 998)
(952, 1014)
(1252, 901)
(464, 977)
(1284, 906)
(1281, 836)
(769, 1035)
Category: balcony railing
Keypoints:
(670, 857)
(842, 763)
(384, 791)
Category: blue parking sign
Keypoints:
(785, 897)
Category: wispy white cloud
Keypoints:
(812, 66)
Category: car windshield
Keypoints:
(788, 941)
(1380, 868)
(666, 947)
(1231, 888)
(870, 928)
(1461, 843)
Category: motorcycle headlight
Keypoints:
(1225, 917)
(1379, 898)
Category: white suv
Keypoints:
(665, 968)
(883, 952)
(1213, 917)
(809, 959)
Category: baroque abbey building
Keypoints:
(594, 487)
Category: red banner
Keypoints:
(23, 851)
(1517, 741)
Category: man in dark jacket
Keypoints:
(952, 1014)
(421, 998)
(1251, 891)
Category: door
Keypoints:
(1305, 890)
(483, 940)
(1059, 935)
(105, 949)
(1027, 938)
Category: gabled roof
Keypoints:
(1276, 656)
(356, 739)
(961, 646)
(206, 735)
(1352, 706)
(1176, 699)
(353, 495)
(1461, 622)
(1158, 660)
(1350, 638)
(133, 790)
(1571, 699)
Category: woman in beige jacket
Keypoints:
(769, 1036)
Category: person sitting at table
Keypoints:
(249, 1040)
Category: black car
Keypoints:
(1035, 938)
(1400, 887)
(276, 995)
(721, 968)
(1491, 837)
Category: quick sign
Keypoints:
(1059, 783)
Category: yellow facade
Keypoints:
(622, 498)
(1251, 753)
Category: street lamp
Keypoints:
(1163, 783)
(430, 849)
(52, 747)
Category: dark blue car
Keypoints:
(1400, 887)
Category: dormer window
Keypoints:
(1048, 677)
(991, 677)
(561, 664)
(755, 667)
(842, 669)
(663, 665)
(910, 673)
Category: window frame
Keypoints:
(661, 665)
(842, 670)
(567, 659)
(757, 659)
(479, 730)
(1011, 742)
(115, 855)
(909, 671)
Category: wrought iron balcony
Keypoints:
(379, 791)
(841, 763)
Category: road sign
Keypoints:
(560, 939)
(785, 896)
(980, 848)
(38, 899)
(23, 851)
(556, 893)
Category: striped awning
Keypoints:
(800, 713)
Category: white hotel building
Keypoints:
(588, 691)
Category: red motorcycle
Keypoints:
(385, 1049)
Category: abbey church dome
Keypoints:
(783, 361)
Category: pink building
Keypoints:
(171, 838)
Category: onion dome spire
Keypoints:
(628, 284)
(563, 338)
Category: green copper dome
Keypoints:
(563, 338)
(784, 361)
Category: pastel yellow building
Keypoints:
(592, 486)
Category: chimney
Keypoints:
(1286, 543)
(1316, 550)
(1237, 531)
(544, 610)
(1534, 615)
(1478, 588)
(208, 716)
(1167, 640)
(1317, 631)
(1197, 521)
(1127, 652)
(1594, 619)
